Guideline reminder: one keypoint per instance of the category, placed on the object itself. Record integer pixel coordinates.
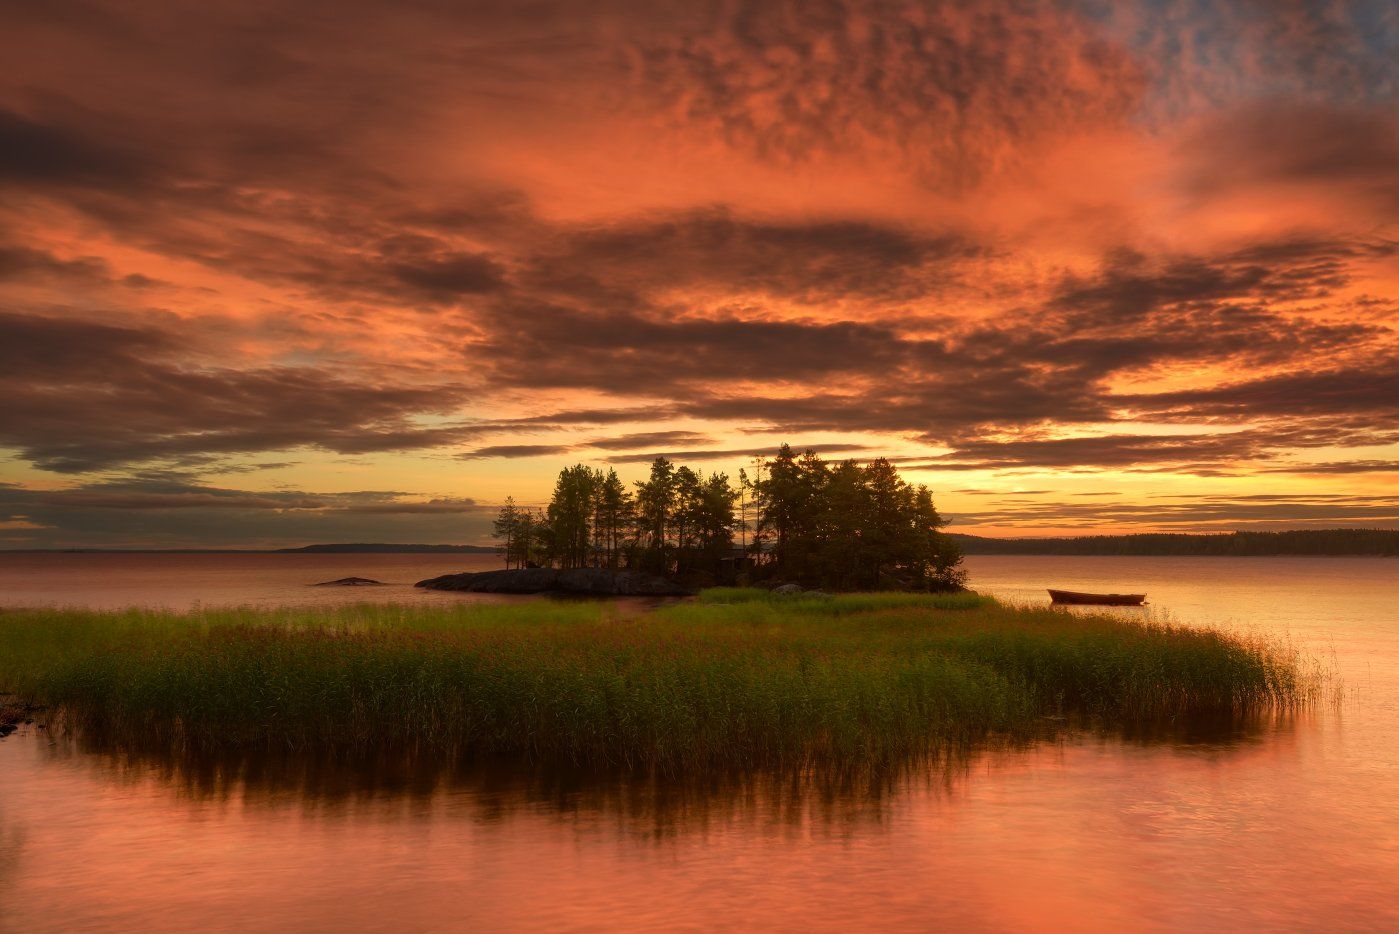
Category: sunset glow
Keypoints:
(281, 273)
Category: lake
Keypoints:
(1287, 826)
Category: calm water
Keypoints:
(1294, 826)
(181, 582)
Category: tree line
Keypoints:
(791, 517)
(1292, 542)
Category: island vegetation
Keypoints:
(737, 679)
(796, 518)
(386, 548)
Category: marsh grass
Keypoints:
(734, 680)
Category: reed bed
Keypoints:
(735, 679)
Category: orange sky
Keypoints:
(276, 273)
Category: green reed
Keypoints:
(735, 679)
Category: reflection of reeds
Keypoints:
(325, 782)
(737, 680)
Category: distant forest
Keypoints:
(388, 549)
(793, 518)
(1300, 542)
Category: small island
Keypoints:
(795, 519)
(740, 679)
(830, 626)
(594, 582)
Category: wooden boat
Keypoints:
(1097, 599)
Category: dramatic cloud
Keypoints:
(728, 455)
(138, 403)
(446, 248)
(517, 450)
(130, 511)
(36, 153)
(649, 439)
(959, 90)
(1303, 149)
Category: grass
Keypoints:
(735, 679)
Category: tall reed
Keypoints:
(735, 679)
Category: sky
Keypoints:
(280, 273)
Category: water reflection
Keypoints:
(1263, 825)
(648, 803)
(1190, 824)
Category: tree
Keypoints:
(507, 528)
(570, 513)
(778, 492)
(685, 516)
(847, 526)
(841, 526)
(614, 516)
(655, 507)
(714, 520)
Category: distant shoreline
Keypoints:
(1312, 543)
(331, 549)
(1331, 543)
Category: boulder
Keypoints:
(350, 582)
(788, 588)
(598, 582)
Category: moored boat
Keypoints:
(1097, 599)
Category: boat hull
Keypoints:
(1075, 598)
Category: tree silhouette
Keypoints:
(841, 526)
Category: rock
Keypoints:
(788, 588)
(350, 582)
(697, 580)
(597, 582)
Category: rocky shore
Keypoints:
(597, 582)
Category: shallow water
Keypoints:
(1287, 826)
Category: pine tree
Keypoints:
(841, 526)
(655, 509)
(507, 528)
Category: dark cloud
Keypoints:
(1336, 148)
(516, 450)
(807, 261)
(649, 439)
(1338, 467)
(948, 386)
(20, 262)
(613, 416)
(450, 276)
(1132, 286)
(959, 91)
(1365, 396)
(731, 454)
(945, 380)
(620, 351)
(82, 395)
(1101, 451)
(34, 152)
(157, 511)
(1206, 454)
